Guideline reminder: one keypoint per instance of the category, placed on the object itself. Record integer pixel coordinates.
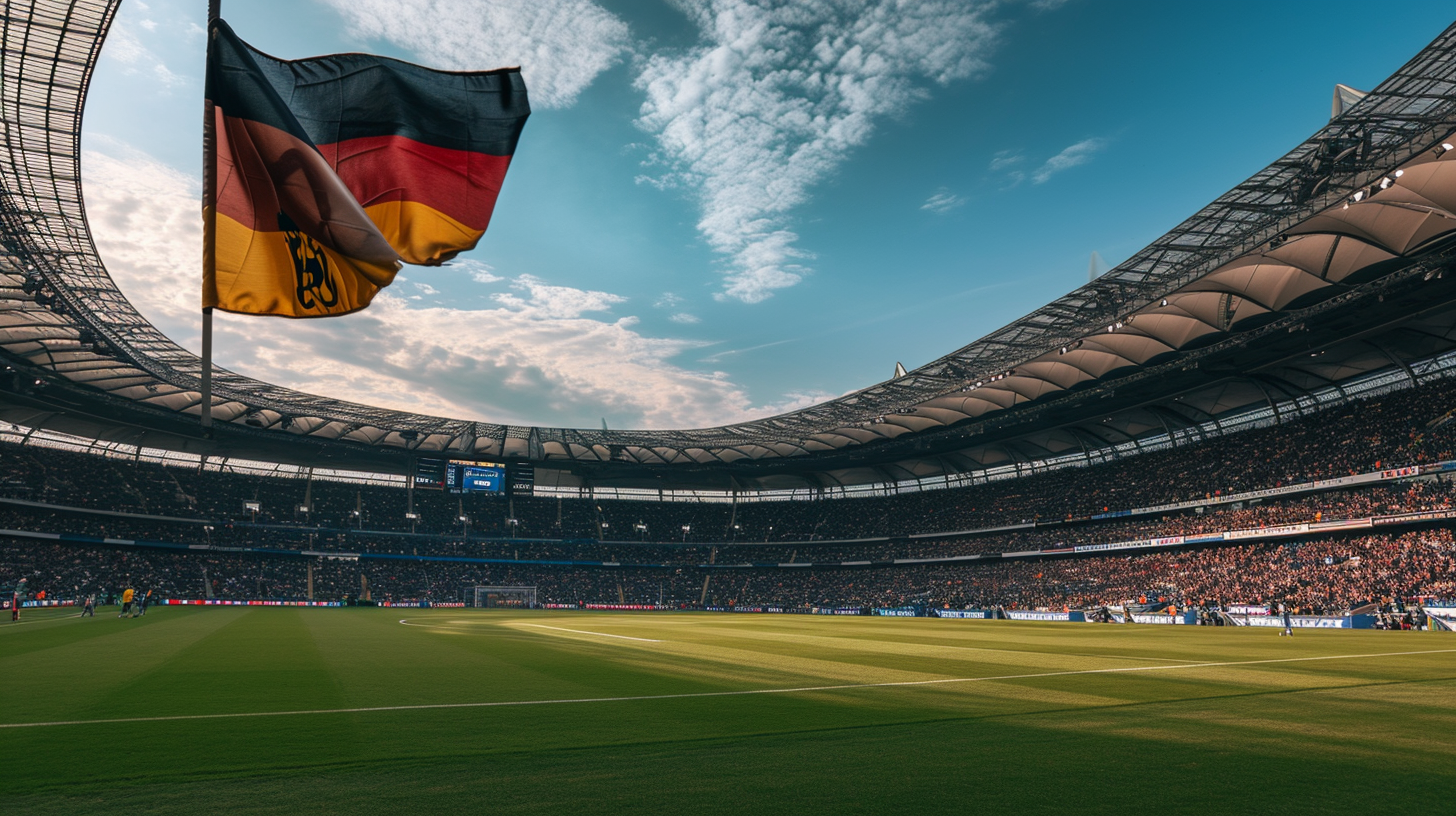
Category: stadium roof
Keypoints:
(1325, 265)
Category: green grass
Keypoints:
(1352, 735)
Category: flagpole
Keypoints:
(209, 206)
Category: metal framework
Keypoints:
(1361, 210)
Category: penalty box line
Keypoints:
(739, 693)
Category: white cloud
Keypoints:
(539, 356)
(150, 25)
(685, 318)
(775, 100)
(1073, 155)
(478, 272)
(124, 46)
(1005, 159)
(147, 221)
(544, 300)
(426, 289)
(560, 45)
(943, 201)
(667, 301)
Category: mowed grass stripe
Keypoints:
(1365, 726)
(75, 670)
(737, 693)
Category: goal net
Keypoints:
(505, 597)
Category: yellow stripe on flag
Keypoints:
(420, 233)
(287, 274)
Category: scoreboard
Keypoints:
(430, 473)
(474, 477)
(462, 476)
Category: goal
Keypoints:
(504, 597)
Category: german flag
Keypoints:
(333, 170)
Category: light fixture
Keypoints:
(1165, 302)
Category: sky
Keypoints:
(722, 209)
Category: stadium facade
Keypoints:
(1325, 274)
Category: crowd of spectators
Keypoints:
(662, 548)
(1320, 575)
(1395, 429)
(1432, 493)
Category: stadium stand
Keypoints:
(128, 521)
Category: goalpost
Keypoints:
(504, 597)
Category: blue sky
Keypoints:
(722, 209)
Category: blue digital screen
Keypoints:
(479, 479)
(475, 477)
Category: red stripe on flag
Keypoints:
(459, 183)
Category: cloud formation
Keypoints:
(544, 354)
(942, 201)
(125, 47)
(560, 45)
(1071, 156)
(478, 272)
(775, 100)
(1006, 160)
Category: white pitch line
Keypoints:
(23, 622)
(584, 632)
(741, 693)
(406, 622)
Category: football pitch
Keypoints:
(389, 711)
